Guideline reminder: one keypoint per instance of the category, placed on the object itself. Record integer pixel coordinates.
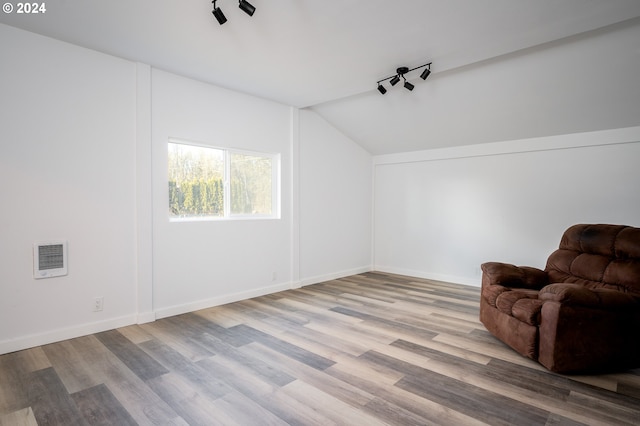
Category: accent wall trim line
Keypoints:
(548, 143)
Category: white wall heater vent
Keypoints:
(49, 259)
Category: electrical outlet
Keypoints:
(274, 276)
(98, 304)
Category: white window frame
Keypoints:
(228, 215)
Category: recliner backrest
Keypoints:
(598, 256)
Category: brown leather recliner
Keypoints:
(582, 313)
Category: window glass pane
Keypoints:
(196, 181)
(251, 184)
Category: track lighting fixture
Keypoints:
(244, 5)
(400, 73)
(247, 7)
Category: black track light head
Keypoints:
(408, 86)
(425, 73)
(381, 89)
(218, 14)
(394, 80)
(247, 7)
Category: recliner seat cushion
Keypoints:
(521, 304)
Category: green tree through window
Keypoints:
(197, 177)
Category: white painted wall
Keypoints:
(84, 159)
(335, 202)
(197, 264)
(441, 213)
(67, 167)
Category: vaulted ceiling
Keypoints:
(310, 53)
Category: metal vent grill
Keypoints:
(49, 259)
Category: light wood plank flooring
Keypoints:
(370, 349)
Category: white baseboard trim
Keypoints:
(474, 282)
(220, 300)
(146, 317)
(334, 276)
(295, 284)
(34, 340)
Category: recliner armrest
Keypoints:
(577, 295)
(507, 275)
